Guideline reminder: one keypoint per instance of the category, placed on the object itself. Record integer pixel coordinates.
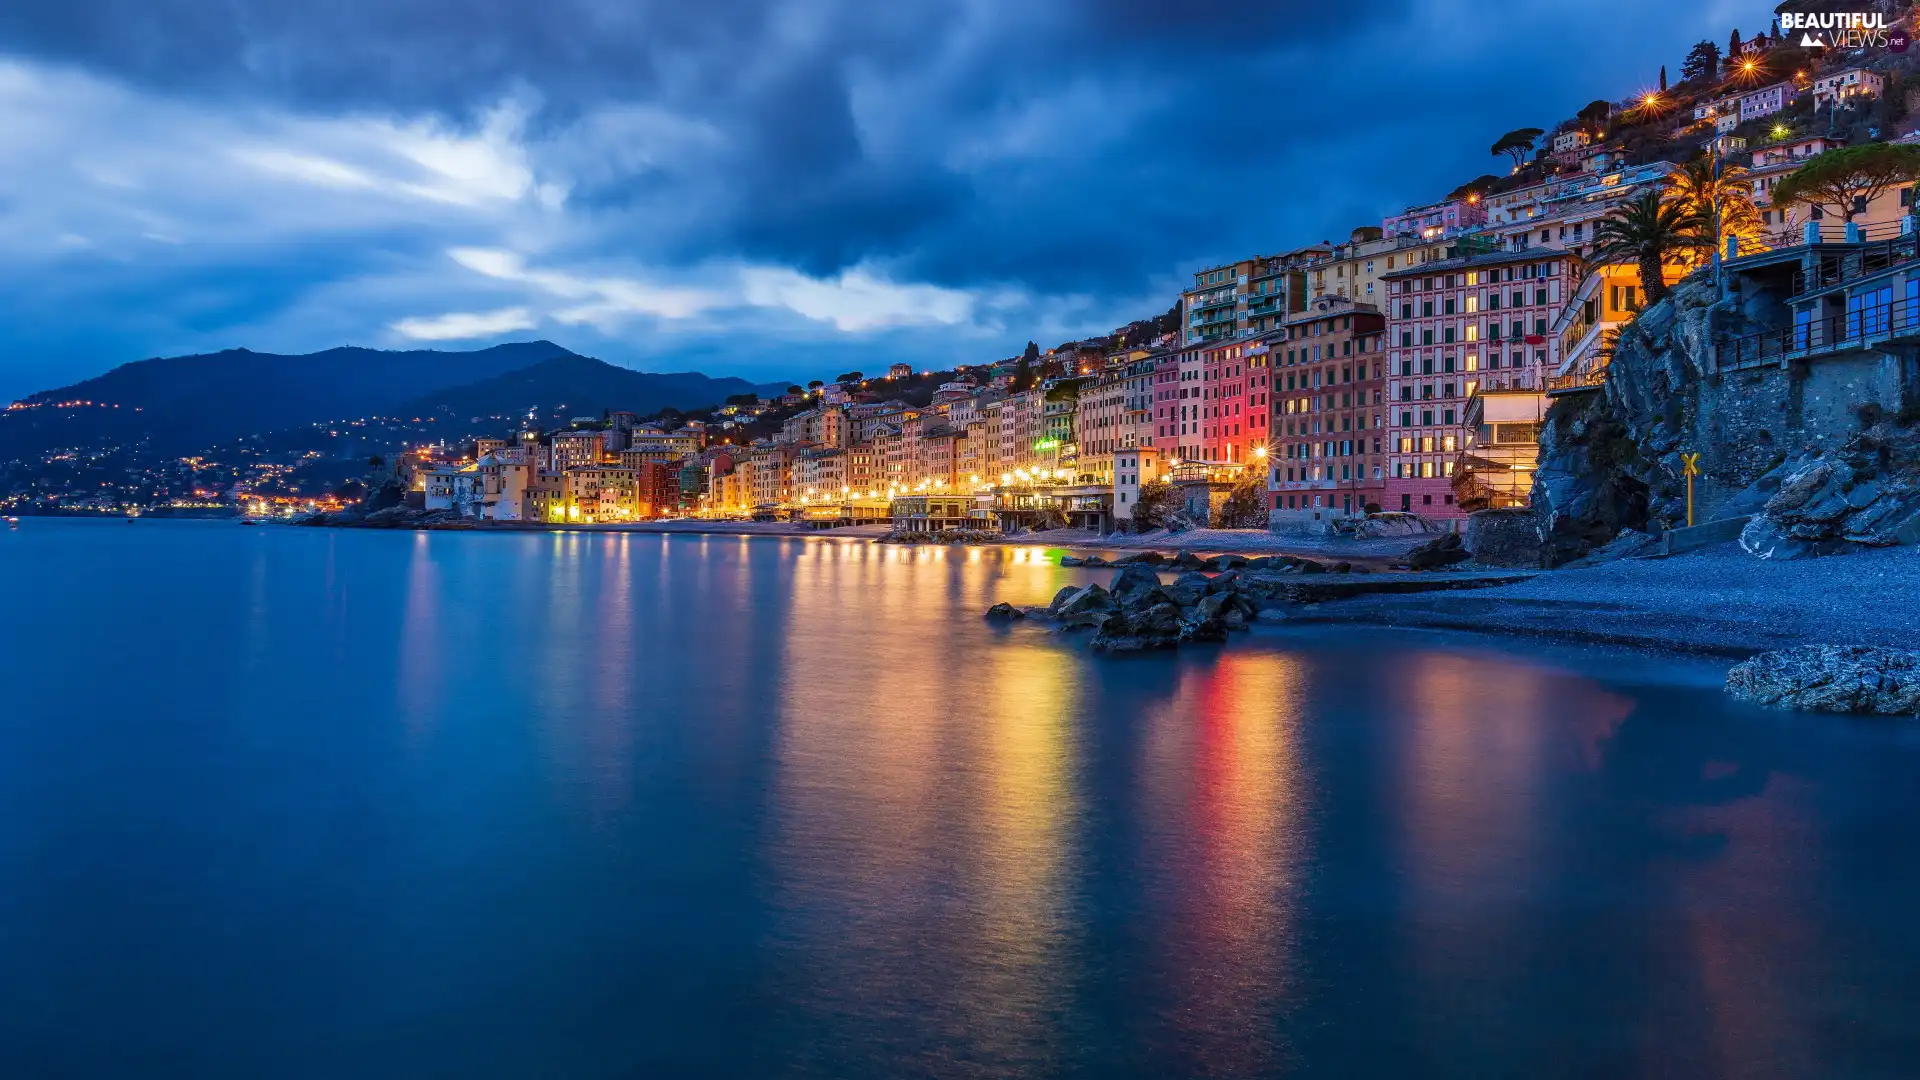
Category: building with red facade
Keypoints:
(1326, 452)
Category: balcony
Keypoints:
(1892, 323)
(1878, 248)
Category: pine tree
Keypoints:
(1663, 78)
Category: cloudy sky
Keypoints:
(771, 188)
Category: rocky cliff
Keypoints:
(1823, 468)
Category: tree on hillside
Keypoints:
(1849, 178)
(743, 399)
(1726, 199)
(1023, 376)
(1702, 62)
(1593, 119)
(1032, 354)
(1517, 144)
(848, 378)
(795, 390)
(1663, 78)
(1479, 185)
(1652, 234)
(815, 384)
(1733, 46)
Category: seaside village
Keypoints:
(1405, 367)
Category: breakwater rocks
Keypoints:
(943, 536)
(1140, 612)
(1862, 679)
(394, 517)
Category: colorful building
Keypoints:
(1326, 459)
(1453, 327)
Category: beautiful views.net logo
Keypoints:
(1843, 30)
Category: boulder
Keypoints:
(1066, 592)
(1072, 560)
(1156, 627)
(1205, 622)
(1194, 579)
(1141, 558)
(1438, 553)
(1393, 523)
(1865, 679)
(1261, 563)
(1004, 612)
(1308, 566)
(1090, 599)
(1226, 562)
(1187, 560)
(1508, 536)
(1094, 560)
(1134, 578)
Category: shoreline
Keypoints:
(1371, 553)
(1719, 602)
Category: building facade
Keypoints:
(1453, 327)
(1328, 448)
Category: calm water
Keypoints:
(292, 803)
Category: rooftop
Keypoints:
(1467, 262)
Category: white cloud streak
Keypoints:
(466, 325)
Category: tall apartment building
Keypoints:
(1246, 297)
(574, 449)
(1329, 439)
(1189, 441)
(1165, 407)
(1235, 399)
(1452, 327)
(1353, 269)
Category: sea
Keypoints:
(288, 802)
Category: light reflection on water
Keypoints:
(613, 805)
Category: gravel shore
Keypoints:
(1718, 602)
(1225, 542)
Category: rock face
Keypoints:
(1865, 495)
(1504, 537)
(1861, 679)
(1809, 448)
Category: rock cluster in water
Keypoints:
(1139, 612)
(1864, 679)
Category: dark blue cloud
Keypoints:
(1082, 153)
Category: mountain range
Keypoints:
(184, 403)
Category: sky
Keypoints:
(767, 188)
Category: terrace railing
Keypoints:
(1857, 328)
(1869, 257)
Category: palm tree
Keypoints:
(1652, 233)
(1726, 198)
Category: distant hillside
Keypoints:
(575, 385)
(185, 403)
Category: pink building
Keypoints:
(1234, 398)
(1436, 220)
(1166, 409)
(1454, 327)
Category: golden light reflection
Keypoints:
(925, 818)
(1225, 808)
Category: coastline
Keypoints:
(1372, 553)
(1718, 602)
